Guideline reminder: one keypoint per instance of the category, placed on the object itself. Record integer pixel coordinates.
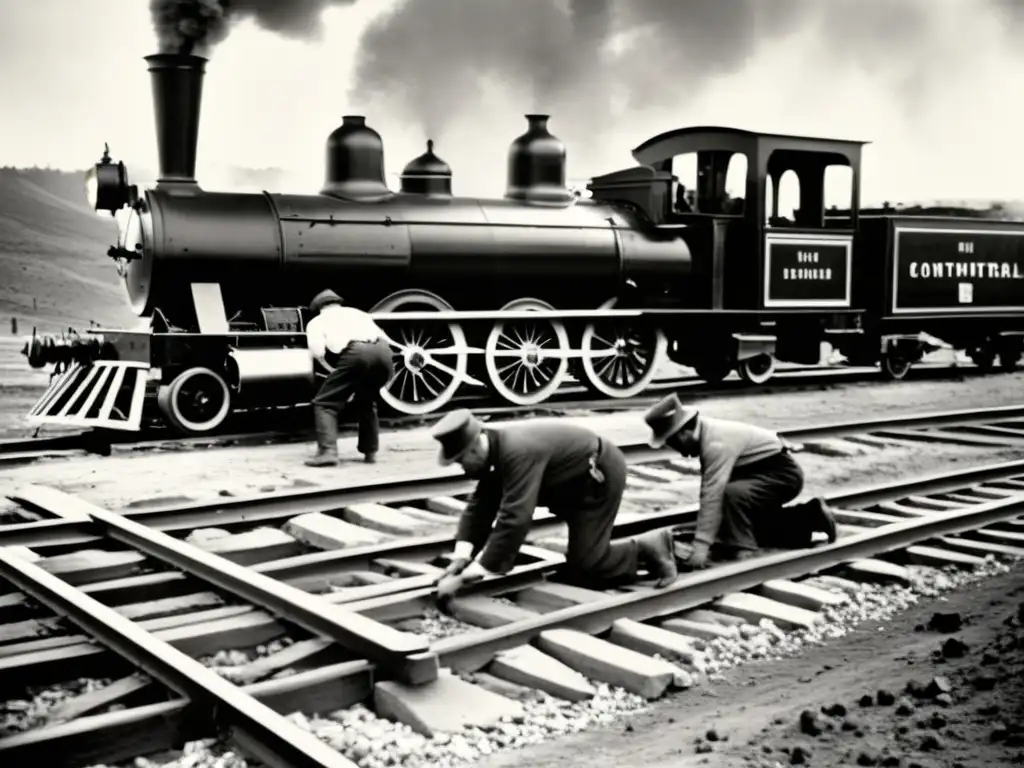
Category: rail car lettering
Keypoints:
(937, 270)
(991, 270)
(810, 274)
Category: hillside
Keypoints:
(54, 271)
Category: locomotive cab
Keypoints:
(761, 269)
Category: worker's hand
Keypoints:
(449, 586)
(455, 566)
(698, 556)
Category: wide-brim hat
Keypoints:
(667, 417)
(456, 433)
(324, 298)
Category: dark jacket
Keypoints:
(530, 464)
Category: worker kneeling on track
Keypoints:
(572, 471)
(747, 475)
(357, 353)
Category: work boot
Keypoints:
(326, 423)
(370, 458)
(655, 550)
(822, 518)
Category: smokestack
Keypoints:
(177, 97)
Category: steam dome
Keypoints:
(355, 162)
(536, 165)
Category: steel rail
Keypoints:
(403, 653)
(257, 729)
(322, 565)
(471, 651)
(16, 451)
(311, 572)
(20, 450)
(351, 682)
(249, 510)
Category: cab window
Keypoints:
(710, 182)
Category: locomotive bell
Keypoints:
(355, 162)
(427, 175)
(536, 165)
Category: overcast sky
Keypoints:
(944, 117)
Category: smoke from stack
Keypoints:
(197, 26)
(600, 66)
(437, 52)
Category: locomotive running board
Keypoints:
(106, 394)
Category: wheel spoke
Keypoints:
(524, 358)
(606, 363)
(620, 360)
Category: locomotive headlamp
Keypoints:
(106, 184)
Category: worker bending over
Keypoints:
(747, 474)
(357, 354)
(572, 471)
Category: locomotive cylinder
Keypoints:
(250, 367)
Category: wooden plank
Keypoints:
(600, 660)
(264, 667)
(870, 569)
(856, 517)
(900, 510)
(991, 534)
(943, 436)
(934, 556)
(936, 505)
(981, 548)
(753, 608)
(533, 668)
(87, 703)
(801, 595)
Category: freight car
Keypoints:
(515, 294)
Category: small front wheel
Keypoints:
(983, 357)
(757, 369)
(894, 367)
(196, 402)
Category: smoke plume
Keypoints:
(436, 55)
(197, 26)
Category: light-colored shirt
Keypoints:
(337, 326)
(725, 445)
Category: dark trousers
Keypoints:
(592, 558)
(360, 371)
(753, 515)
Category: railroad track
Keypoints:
(291, 424)
(140, 611)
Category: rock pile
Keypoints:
(969, 700)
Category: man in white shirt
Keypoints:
(358, 355)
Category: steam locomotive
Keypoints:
(519, 293)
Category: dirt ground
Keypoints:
(217, 471)
(756, 711)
